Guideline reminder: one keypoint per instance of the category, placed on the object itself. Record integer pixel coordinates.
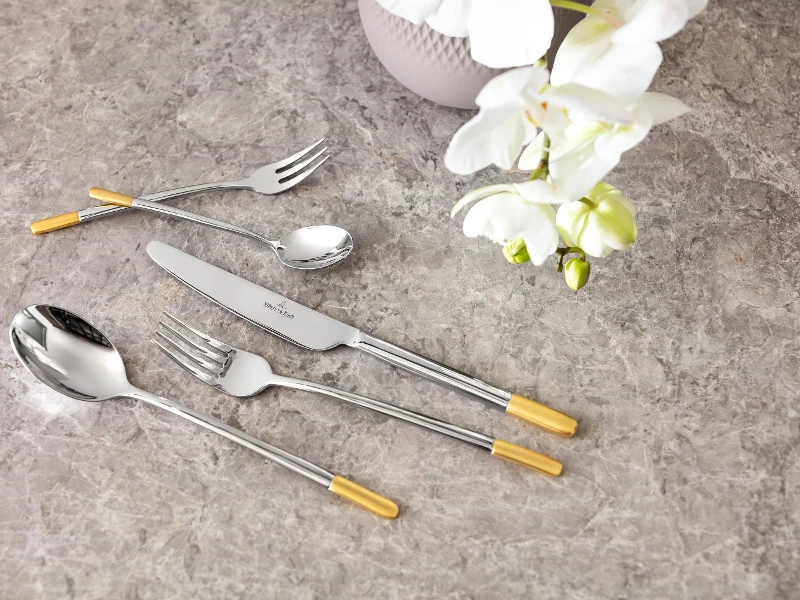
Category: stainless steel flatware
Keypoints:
(273, 178)
(307, 248)
(74, 358)
(309, 329)
(241, 373)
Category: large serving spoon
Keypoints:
(67, 353)
(307, 248)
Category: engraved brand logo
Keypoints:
(280, 309)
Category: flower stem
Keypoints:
(543, 167)
(589, 10)
(562, 252)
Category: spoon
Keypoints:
(307, 248)
(68, 354)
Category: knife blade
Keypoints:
(315, 331)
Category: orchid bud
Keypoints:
(576, 273)
(516, 252)
(601, 222)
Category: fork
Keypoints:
(273, 178)
(240, 373)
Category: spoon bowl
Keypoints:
(314, 247)
(68, 354)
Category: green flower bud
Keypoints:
(516, 252)
(576, 273)
(599, 223)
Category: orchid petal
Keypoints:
(480, 194)
(451, 18)
(624, 72)
(532, 154)
(630, 206)
(510, 33)
(593, 104)
(601, 222)
(604, 191)
(622, 139)
(507, 88)
(556, 120)
(583, 44)
(652, 21)
(506, 216)
(591, 241)
(495, 135)
(540, 192)
(498, 217)
(570, 220)
(614, 223)
(415, 11)
(577, 172)
(661, 107)
(541, 239)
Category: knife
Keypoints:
(312, 330)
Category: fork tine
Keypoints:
(213, 357)
(224, 348)
(204, 377)
(213, 366)
(281, 165)
(295, 169)
(292, 181)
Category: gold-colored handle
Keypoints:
(375, 503)
(53, 223)
(111, 197)
(541, 415)
(527, 458)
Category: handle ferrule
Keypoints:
(53, 223)
(541, 415)
(367, 499)
(527, 458)
(111, 197)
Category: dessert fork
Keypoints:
(243, 374)
(273, 178)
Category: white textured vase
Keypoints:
(436, 66)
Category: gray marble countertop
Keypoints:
(680, 359)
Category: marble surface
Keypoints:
(680, 359)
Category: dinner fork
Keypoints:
(240, 373)
(273, 178)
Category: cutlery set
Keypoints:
(71, 356)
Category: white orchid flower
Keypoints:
(502, 33)
(589, 150)
(450, 17)
(515, 211)
(512, 106)
(615, 49)
(445, 16)
(602, 221)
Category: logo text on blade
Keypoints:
(280, 309)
